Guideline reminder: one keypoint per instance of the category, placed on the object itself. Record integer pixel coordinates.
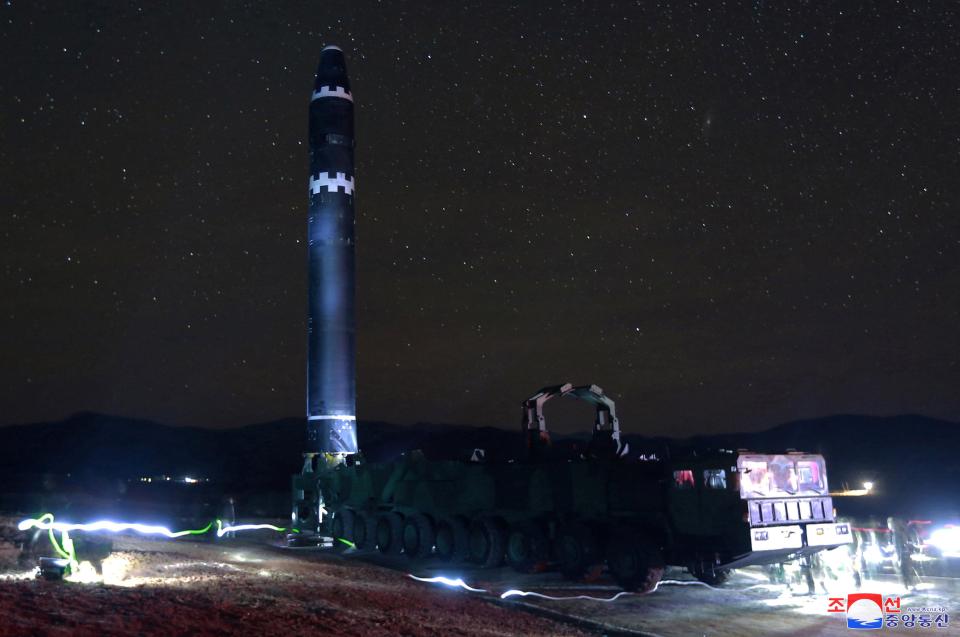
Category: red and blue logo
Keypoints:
(864, 611)
(871, 611)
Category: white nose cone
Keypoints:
(331, 47)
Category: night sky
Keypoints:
(728, 215)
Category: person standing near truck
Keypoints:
(904, 549)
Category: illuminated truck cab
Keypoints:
(788, 502)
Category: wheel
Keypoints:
(527, 547)
(577, 549)
(365, 530)
(488, 538)
(635, 562)
(709, 575)
(453, 539)
(342, 525)
(419, 536)
(390, 533)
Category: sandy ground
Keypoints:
(246, 586)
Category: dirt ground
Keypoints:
(247, 586)
(748, 606)
(236, 587)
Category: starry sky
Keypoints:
(726, 214)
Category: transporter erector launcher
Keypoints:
(331, 379)
(598, 506)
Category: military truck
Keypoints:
(578, 510)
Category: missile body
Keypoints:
(331, 382)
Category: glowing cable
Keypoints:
(68, 547)
(459, 583)
(45, 522)
(56, 546)
(65, 548)
(223, 530)
(453, 583)
(678, 582)
(518, 593)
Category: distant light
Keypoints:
(947, 539)
(867, 486)
(874, 555)
(190, 480)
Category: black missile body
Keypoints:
(331, 382)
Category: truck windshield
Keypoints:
(777, 476)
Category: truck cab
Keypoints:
(749, 508)
(789, 503)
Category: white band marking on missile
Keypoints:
(331, 417)
(332, 181)
(336, 91)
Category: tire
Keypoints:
(419, 536)
(390, 533)
(452, 539)
(719, 577)
(488, 539)
(365, 530)
(342, 525)
(577, 549)
(709, 575)
(528, 547)
(635, 562)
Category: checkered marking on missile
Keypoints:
(332, 91)
(332, 181)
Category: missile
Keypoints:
(331, 382)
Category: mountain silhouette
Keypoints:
(912, 459)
